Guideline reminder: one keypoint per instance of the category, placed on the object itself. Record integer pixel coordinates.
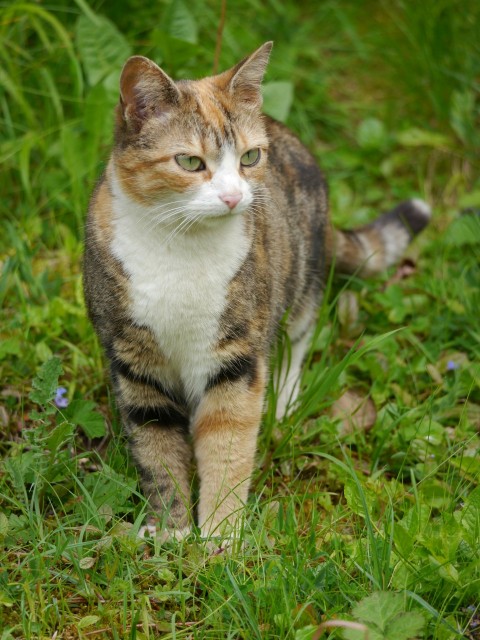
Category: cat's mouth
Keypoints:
(212, 218)
(223, 214)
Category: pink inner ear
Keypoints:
(244, 79)
(140, 103)
(145, 89)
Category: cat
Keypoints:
(209, 223)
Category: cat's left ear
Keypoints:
(244, 79)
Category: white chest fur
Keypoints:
(179, 289)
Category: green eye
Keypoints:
(250, 158)
(189, 163)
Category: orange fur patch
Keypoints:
(231, 407)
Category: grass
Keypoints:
(379, 525)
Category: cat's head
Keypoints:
(192, 149)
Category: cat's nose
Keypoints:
(231, 199)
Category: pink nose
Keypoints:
(231, 200)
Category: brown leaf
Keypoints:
(405, 269)
(87, 563)
(355, 410)
(434, 373)
(345, 624)
(347, 313)
(4, 417)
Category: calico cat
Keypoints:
(211, 220)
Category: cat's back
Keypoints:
(292, 168)
(298, 211)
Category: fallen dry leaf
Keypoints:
(355, 410)
(348, 314)
(345, 624)
(405, 269)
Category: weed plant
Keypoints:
(359, 526)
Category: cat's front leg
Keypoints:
(225, 430)
(162, 456)
(158, 435)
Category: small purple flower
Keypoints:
(451, 365)
(59, 400)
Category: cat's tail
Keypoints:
(369, 250)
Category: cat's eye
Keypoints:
(250, 158)
(190, 163)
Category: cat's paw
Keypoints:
(147, 531)
(216, 546)
(230, 540)
(150, 530)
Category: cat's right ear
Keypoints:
(145, 91)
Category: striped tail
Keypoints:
(369, 250)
